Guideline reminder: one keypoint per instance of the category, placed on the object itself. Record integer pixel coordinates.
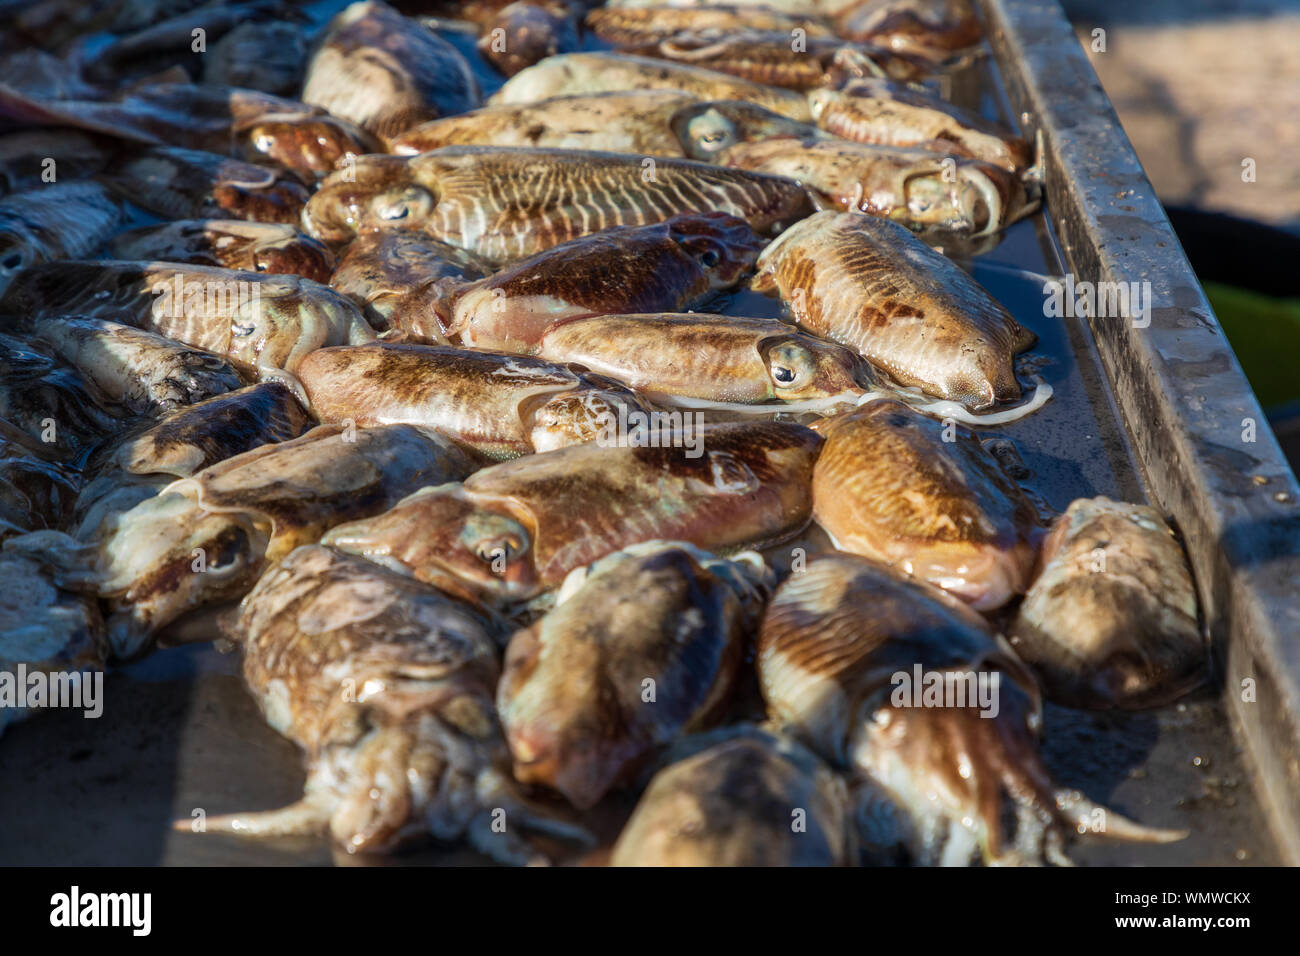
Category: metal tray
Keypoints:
(1181, 395)
(1152, 414)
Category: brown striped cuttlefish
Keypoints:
(512, 531)
(931, 715)
(507, 203)
(387, 686)
(871, 285)
(643, 646)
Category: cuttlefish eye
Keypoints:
(791, 366)
(500, 550)
(707, 252)
(409, 203)
(495, 539)
(711, 131)
(923, 193)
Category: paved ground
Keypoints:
(1200, 86)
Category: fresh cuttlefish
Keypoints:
(34, 494)
(822, 9)
(216, 119)
(934, 29)
(501, 405)
(645, 27)
(259, 56)
(741, 796)
(146, 458)
(187, 184)
(874, 110)
(671, 266)
(760, 44)
(204, 539)
(624, 121)
(28, 157)
(928, 711)
(386, 73)
(55, 221)
(644, 122)
(143, 372)
(642, 647)
(394, 276)
(514, 530)
(387, 685)
(259, 322)
(523, 34)
(913, 187)
(229, 244)
(674, 359)
(776, 59)
(200, 435)
(572, 73)
(169, 45)
(871, 285)
(310, 143)
(1111, 619)
(509, 203)
(46, 408)
(49, 632)
(925, 497)
(707, 129)
(52, 23)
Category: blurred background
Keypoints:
(1203, 87)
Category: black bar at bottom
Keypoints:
(560, 909)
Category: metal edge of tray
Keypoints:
(1185, 402)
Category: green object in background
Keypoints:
(1265, 333)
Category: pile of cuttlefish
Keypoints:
(428, 403)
